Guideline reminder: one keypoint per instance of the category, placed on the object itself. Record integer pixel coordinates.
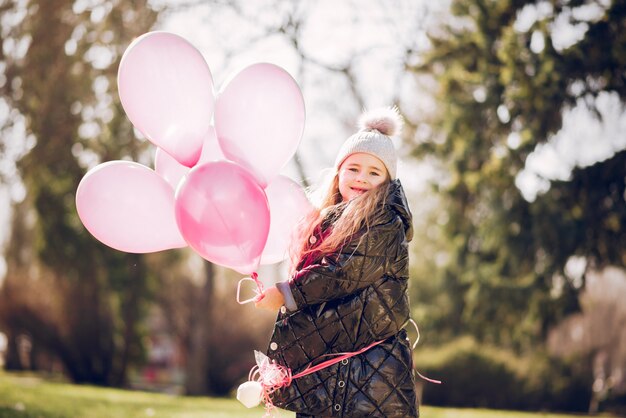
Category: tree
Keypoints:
(70, 295)
(504, 81)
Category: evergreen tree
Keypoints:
(504, 83)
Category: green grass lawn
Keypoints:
(28, 396)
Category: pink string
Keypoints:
(258, 291)
(312, 369)
(273, 376)
(428, 379)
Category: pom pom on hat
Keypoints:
(386, 120)
(376, 127)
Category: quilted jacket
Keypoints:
(345, 302)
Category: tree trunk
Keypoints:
(199, 353)
(12, 359)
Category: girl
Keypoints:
(348, 289)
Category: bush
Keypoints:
(615, 404)
(557, 384)
(476, 375)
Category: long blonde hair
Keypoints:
(346, 219)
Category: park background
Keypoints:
(513, 158)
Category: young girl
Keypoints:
(348, 290)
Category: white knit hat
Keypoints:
(375, 129)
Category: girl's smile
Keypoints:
(360, 173)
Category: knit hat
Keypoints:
(375, 128)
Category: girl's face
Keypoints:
(359, 173)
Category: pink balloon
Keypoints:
(223, 214)
(166, 89)
(259, 119)
(288, 204)
(129, 207)
(172, 171)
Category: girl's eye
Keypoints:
(354, 170)
(375, 173)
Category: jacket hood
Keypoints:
(396, 201)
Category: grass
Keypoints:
(29, 396)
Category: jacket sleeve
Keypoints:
(360, 263)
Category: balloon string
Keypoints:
(273, 376)
(258, 292)
(417, 340)
(415, 345)
(339, 357)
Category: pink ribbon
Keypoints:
(271, 376)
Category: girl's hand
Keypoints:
(272, 300)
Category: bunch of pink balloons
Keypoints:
(216, 185)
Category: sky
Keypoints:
(332, 34)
